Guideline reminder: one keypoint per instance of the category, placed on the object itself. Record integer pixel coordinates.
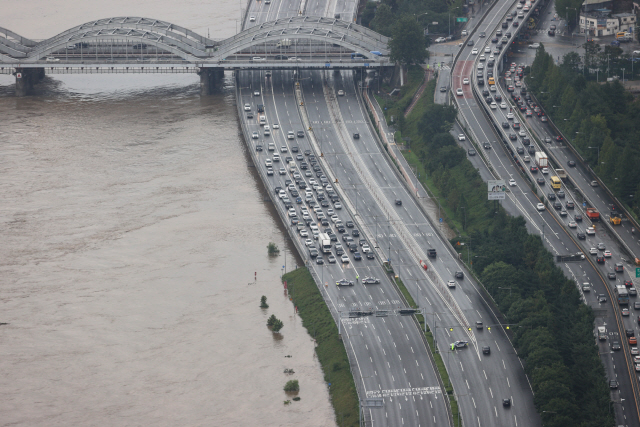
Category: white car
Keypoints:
(247, 107)
(544, 170)
(344, 258)
(308, 242)
(573, 224)
(440, 40)
(252, 19)
(461, 137)
(492, 56)
(340, 92)
(487, 49)
(481, 66)
(509, 116)
(534, 45)
(52, 59)
(482, 58)
(474, 51)
(503, 106)
(512, 182)
(254, 135)
(493, 105)
(465, 81)
(451, 284)
(591, 231)
(304, 233)
(267, 131)
(522, 133)
(276, 126)
(492, 88)
(540, 207)
(593, 251)
(459, 91)
(291, 135)
(256, 93)
(464, 33)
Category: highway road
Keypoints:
(388, 355)
(502, 159)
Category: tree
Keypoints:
(263, 302)
(383, 20)
(292, 386)
(272, 249)
(369, 13)
(274, 323)
(407, 43)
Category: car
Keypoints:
(520, 150)
(247, 107)
(494, 40)
(460, 344)
(607, 254)
(451, 284)
(591, 231)
(563, 213)
(340, 92)
(581, 236)
(474, 51)
(459, 91)
(486, 145)
(471, 152)
(534, 169)
(613, 384)
(586, 287)
(602, 298)
(625, 312)
(543, 119)
(503, 106)
(398, 202)
(356, 136)
(486, 350)
(570, 205)
(440, 40)
(593, 251)
(611, 275)
(601, 246)
(540, 181)
(513, 136)
(252, 19)
(510, 116)
(572, 224)
(277, 126)
(600, 260)
(319, 260)
(482, 58)
(493, 105)
(632, 291)
(512, 182)
(461, 137)
(571, 164)
(534, 45)
(540, 207)
(344, 282)
(291, 135)
(370, 280)
(628, 283)
(470, 43)
(619, 268)
(357, 256)
(487, 49)
(443, 88)
(506, 402)
(633, 341)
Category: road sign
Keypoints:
(440, 219)
(461, 19)
(497, 189)
(19, 75)
(584, 204)
(637, 272)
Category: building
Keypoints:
(597, 20)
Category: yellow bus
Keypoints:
(556, 183)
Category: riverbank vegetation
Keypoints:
(330, 350)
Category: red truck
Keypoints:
(593, 214)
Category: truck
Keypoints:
(593, 214)
(541, 159)
(325, 242)
(615, 218)
(602, 333)
(284, 43)
(562, 174)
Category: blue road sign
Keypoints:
(440, 219)
(584, 204)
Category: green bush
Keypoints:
(272, 249)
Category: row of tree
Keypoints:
(553, 329)
(602, 121)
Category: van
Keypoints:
(492, 81)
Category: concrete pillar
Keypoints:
(26, 78)
(211, 80)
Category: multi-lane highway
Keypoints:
(505, 160)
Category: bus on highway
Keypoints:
(622, 294)
(556, 183)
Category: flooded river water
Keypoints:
(132, 226)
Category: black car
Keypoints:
(357, 256)
(505, 125)
(570, 205)
(249, 115)
(295, 149)
(613, 384)
(355, 232)
(578, 217)
(459, 275)
(600, 260)
(498, 97)
(300, 134)
(552, 196)
(260, 108)
(258, 147)
(431, 253)
(556, 205)
(531, 149)
(494, 40)
(516, 125)
(356, 136)
(486, 350)
(349, 224)
(488, 99)
(340, 229)
(534, 169)
(486, 145)
(471, 152)
(611, 276)
(540, 181)
(480, 81)
(571, 164)
(513, 136)
(506, 402)
(520, 150)
(443, 88)
(560, 195)
(582, 236)
(615, 346)
(485, 93)
(281, 57)
(370, 255)
(398, 202)
(526, 140)
(508, 34)
(629, 332)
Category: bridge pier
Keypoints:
(211, 80)
(26, 78)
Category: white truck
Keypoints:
(541, 159)
(602, 333)
(285, 43)
(325, 242)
